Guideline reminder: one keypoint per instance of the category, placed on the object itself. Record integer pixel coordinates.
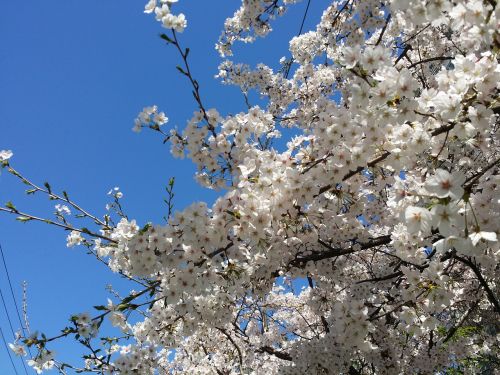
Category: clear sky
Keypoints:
(73, 76)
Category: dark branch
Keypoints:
(491, 295)
(438, 58)
(281, 355)
(335, 252)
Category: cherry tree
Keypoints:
(384, 202)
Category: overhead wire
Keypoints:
(12, 290)
(300, 33)
(7, 313)
(14, 297)
(11, 328)
(7, 310)
(8, 351)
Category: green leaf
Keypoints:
(145, 228)
(235, 214)
(23, 219)
(31, 191)
(179, 68)
(10, 205)
(100, 307)
(166, 38)
(128, 299)
(122, 306)
(14, 172)
(46, 184)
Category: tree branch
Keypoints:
(438, 58)
(335, 252)
(491, 296)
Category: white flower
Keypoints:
(162, 12)
(460, 244)
(178, 23)
(350, 56)
(63, 209)
(445, 217)
(482, 236)
(443, 184)
(84, 331)
(5, 155)
(248, 167)
(119, 320)
(18, 349)
(83, 318)
(125, 229)
(150, 6)
(160, 118)
(418, 219)
(74, 238)
(137, 126)
(115, 192)
(44, 361)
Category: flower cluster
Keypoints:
(164, 16)
(252, 19)
(365, 243)
(151, 118)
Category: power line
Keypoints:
(8, 351)
(300, 32)
(12, 330)
(7, 311)
(13, 296)
(11, 289)
(304, 18)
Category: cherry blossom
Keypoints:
(363, 242)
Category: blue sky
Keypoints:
(73, 77)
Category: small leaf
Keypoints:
(13, 171)
(46, 184)
(166, 38)
(128, 299)
(23, 219)
(10, 205)
(122, 306)
(235, 214)
(145, 228)
(179, 68)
